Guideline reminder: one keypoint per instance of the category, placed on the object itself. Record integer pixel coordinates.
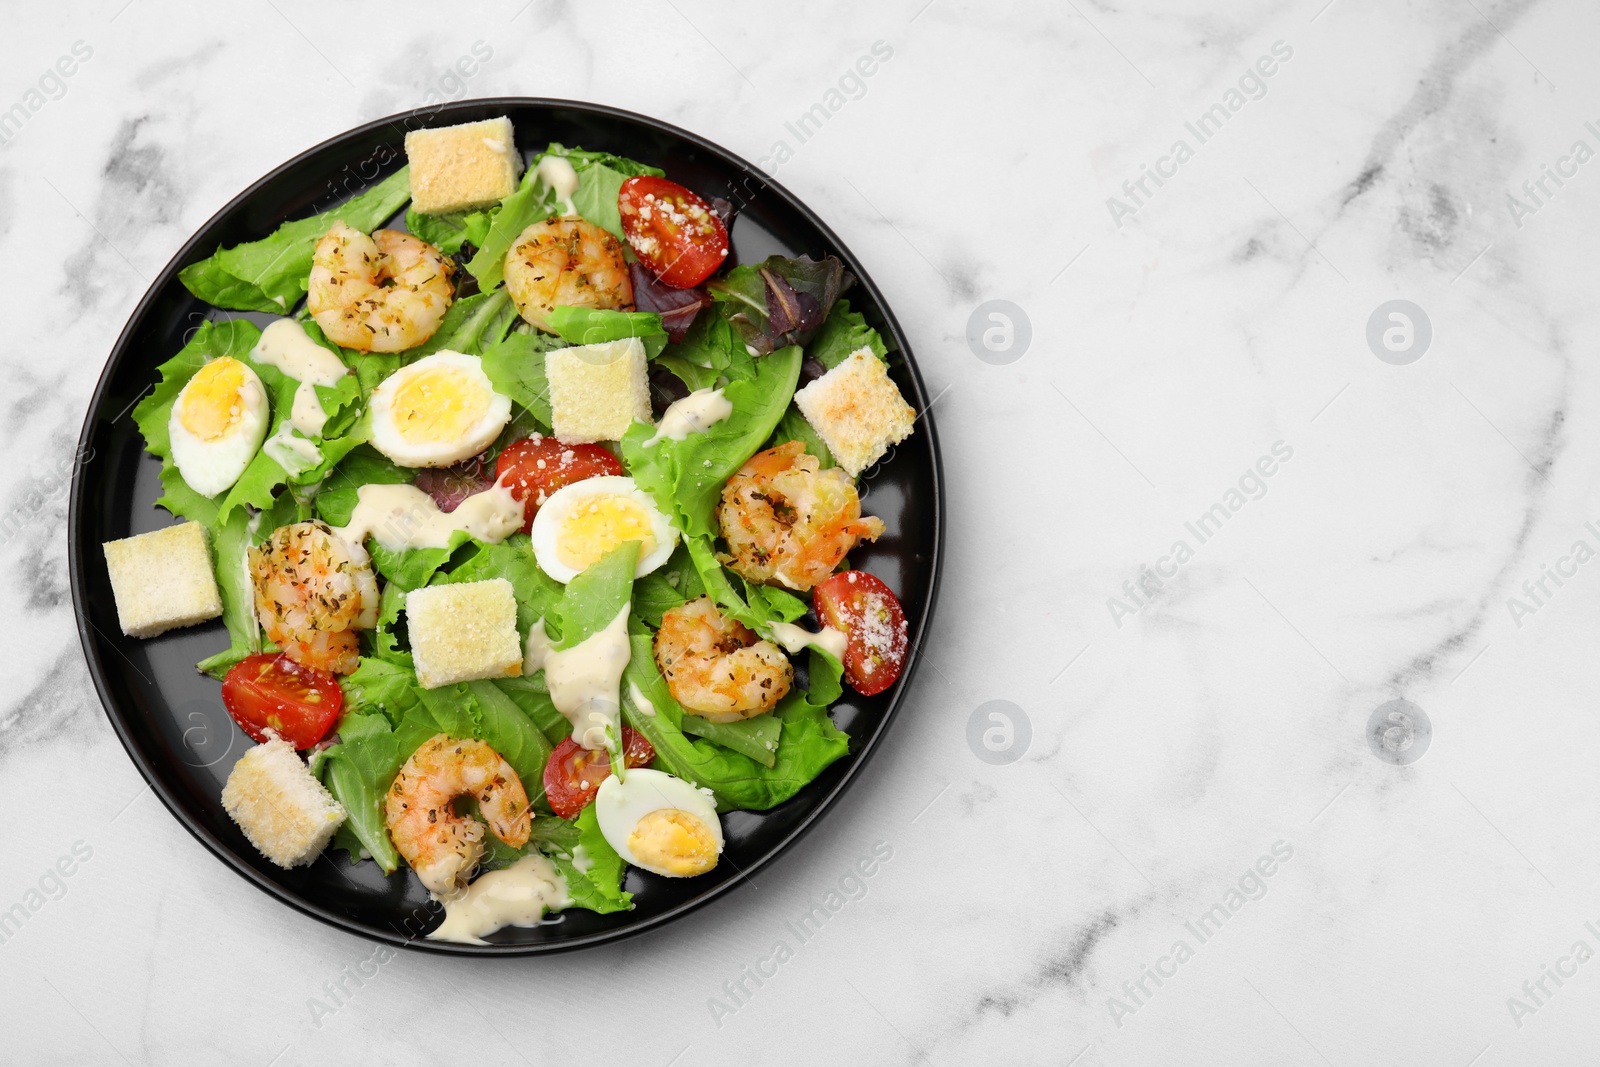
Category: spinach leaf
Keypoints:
(755, 737)
(270, 274)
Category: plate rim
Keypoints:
(77, 552)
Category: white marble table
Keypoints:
(1185, 722)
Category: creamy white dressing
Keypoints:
(403, 516)
(285, 345)
(794, 638)
(585, 681)
(581, 860)
(294, 454)
(516, 896)
(641, 701)
(562, 179)
(695, 413)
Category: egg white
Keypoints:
(386, 435)
(622, 802)
(561, 505)
(211, 467)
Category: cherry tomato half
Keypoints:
(537, 466)
(870, 617)
(671, 230)
(574, 773)
(272, 692)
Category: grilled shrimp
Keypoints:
(441, 846)
(715, 667)
(788, 521)
(313, 591)
(384, 293)
(566, 262)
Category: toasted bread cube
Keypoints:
(458, 168)
(857, 411)
(596, 391)
(163, 580)
(463, 630)
(280, 805)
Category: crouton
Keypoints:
(459, 168)
(857, 411)
(463, 630)
(163, 580)
(280, 805)
(597, 391)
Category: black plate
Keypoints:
(170, 717)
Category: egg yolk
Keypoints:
(599, 524)
(438, 404)
(674, 840)
(211, 402)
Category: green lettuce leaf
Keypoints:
(808, 741)
(270, 274)
(754, 737)
(592, 326)
(595, 597)
(686, 477)
(471, 325)
(843, 332)
(598, 887)
(532, 202)
(229, 542)
(358, 772)
(515, 367)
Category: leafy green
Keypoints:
(532, 695)
(449, 232)
(599, 886)
(808, 741)
(230, 542)
(362, 466)
(754, 737)
(412, 568)
(471, 325)
(532, 202)
(509, 731)
(270, 274)
(843, 332)
(664, 588)
(600, 178)
(358, 771)
(590, 326)
(515, 367)
(686, 477)
(780, 301)
(381, 688)
(598, 595)
(794, 427)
